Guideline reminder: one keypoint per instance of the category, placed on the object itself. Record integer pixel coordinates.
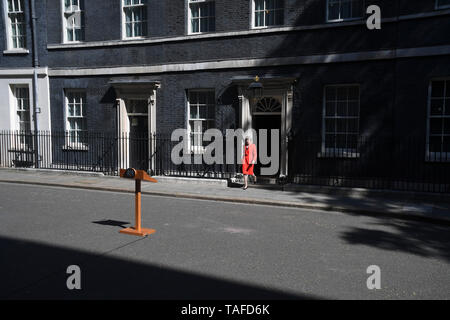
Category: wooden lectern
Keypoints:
(138, 176)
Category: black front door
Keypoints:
(139, 142)
(269, 122)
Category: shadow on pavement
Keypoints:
(31, 270)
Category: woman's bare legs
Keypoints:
(245, 181)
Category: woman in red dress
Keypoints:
(248, 163)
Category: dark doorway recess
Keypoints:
(269, 122)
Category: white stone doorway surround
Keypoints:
(280, 88)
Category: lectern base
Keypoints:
(142, 233)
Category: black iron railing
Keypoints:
(406, 163)
(80, 151)
(402, 163)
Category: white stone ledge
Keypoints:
(252, 63)
(16, 51)
(23, 71)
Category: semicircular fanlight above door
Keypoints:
(267, 105)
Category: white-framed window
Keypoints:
(438, 132)
(201, 107)
(134, 17)
(442, 4)
(75, 111)
(201, 16)
(341, 110)
(267, 13)
(15, 24)
(344, 10)
(73, 20)
(22, 105)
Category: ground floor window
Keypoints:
(439, 120)
(341, 120)
(201, 112)
(22, 104)
(76, 116)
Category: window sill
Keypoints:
(16, 51)
(344, 20)
(341, 154)
(438, 157)
(71, 147)
(268, 27)
(200, 33)
(73, 42)
(134, 38)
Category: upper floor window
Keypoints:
(73, 20)
(438, 135)
(268, 13)
(75, 107)
(341, 120)
(442, 4)
(201, 111)
(342, 10)
(134, 18)
(16, 26)
(202, 16)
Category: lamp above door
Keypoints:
(255, 89)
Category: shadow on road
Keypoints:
(112, 223)
(409, 236)
(31, 270)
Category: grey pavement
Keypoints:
(209, 249)
(432, 206)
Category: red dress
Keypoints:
(249, 157)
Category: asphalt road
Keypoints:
(210, 250)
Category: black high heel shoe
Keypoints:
(245, 188)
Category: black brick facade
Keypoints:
(394, 91)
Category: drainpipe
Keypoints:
(36, 110)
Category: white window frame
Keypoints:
(438, 7)
(79, 144)
(144, 5)
(189, 15)
(8, 29)
(14, 88)
(436, 156)
(20, 143)
(64, 21)
(265, 26)
(198, 149)
(339, 152)
(342, 19)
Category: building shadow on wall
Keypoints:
(378, 87)
(32, 270)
